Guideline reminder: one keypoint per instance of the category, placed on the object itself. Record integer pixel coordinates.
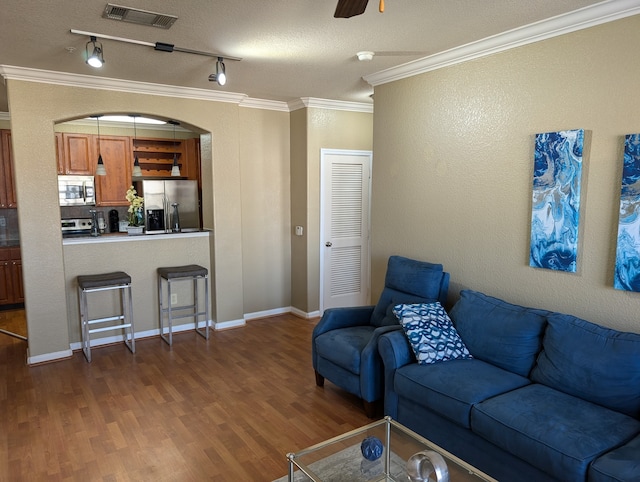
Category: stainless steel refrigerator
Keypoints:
(159, 200)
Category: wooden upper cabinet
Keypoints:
(59, 152)
(7, 188)
(191, 165)
(79, 154)
(116, 156)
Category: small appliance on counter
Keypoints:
(76, 227)
(76, 190)
(155, 220)
(114, 221)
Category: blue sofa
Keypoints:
(546, 396)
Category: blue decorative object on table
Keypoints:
(371, 448)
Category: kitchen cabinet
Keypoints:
(78, 154)
(116, 155)
(11, 287)
(7, 188)
(191, 165)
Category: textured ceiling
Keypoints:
(290, 48)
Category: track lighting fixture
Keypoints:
(220, 76)
(100, 169)
(137, 172)
(175, 169)
(96, 59)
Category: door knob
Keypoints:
(328, 244)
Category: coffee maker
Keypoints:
(114, 220)
(155, 221)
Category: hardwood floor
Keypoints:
(227, 409)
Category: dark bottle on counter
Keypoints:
(95, 227)
(114, 220)
(175, 219)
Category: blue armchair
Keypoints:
(345, 341)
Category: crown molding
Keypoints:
(104, 83)
(331, 105)
(264, 104)
(586, 17)
(118, 85)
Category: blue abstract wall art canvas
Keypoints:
(557, 175)
(627, 272)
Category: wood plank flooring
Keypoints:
(227, 409)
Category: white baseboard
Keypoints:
(223, 325)
(304, 314)
(267, 313)
(48, 357)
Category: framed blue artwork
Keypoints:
(627, 272)
(555, 217)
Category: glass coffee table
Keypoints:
(381, 451)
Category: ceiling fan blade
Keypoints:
(350, 8)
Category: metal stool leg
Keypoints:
(84, 321)
(127, 311)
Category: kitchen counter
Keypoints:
(124, 237)
(139, 256)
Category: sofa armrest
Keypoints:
(372, 386)
(335, 318)
(396, 352)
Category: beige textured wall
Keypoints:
(326, 129)
(35, 108)
(266, 216)
(298, 120)
(453, 167)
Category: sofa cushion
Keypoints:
(550, 429)
(344, 346)
(430, 332)
(452, 388)
(506, 335)
(621, 464)
(407, 281)
(591, 362)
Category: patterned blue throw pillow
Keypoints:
(431, 333)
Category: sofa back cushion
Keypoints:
(506, 335)
(591, 362)
(406, 281)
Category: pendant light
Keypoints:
(175, 169)
(137, 172)
(100, 170)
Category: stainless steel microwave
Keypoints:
(76, 190)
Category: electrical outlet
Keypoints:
(174, 298)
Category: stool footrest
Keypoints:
(104, 320)
(109, 328)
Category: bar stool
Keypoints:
(183, 273)
(118, 280)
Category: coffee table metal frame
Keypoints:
(297, 459)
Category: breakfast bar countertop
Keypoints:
(124, 237)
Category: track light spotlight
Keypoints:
(96, 59)
(220, 76)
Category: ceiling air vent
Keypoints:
(137, 16)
